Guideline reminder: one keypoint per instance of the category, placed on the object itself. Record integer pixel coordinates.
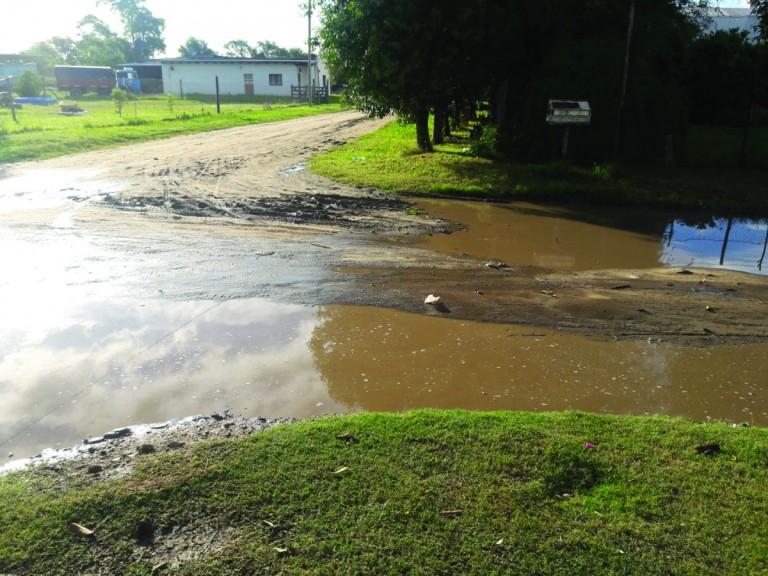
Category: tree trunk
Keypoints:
(438, 129)
(422, 130)
(617, 142)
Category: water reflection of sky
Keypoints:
(99, 365)
(733, 244)
(597, 238)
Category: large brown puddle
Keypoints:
(75, 362)
(374, 359)
(113, 363)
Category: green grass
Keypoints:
(390, 160)
(41, 132)
(425, 492)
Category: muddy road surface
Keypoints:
(234, 213)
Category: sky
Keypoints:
(278, 21)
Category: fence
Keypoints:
(301, 94)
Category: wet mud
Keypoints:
(681, 306)
(318, 209)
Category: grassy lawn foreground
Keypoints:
(425, 492)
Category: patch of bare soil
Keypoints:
(684, 306)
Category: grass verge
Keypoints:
(390, 160)
(425, 492)
(42, 132)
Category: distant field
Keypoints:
(43, 132)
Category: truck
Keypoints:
(77, 80)
(128, 79)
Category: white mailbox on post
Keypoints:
(568, 112)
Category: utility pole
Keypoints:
(309, 51)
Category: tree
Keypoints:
(267, 49)
(29, 84)
(50, 52)
(119, 97)
(578, 49)
(100, 46)
(414, 57)
(262, 49)
(760, 9)
(238, 49)
(143, 30)
(404, 56)
(196, 48)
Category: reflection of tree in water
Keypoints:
(709, 238)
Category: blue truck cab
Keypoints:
(128, 79)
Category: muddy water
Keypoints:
(99, 365)
(80, 356)
(593, 239)
(375, 359)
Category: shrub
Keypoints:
(29, 84)
(484, 141)
(119, 97)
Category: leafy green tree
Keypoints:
(237, 49)
(414, 57)
(267, 49)
(196, 48)
(48, 53)
(403, 56)
(601, 51)
(760, 9)
(143, 30)
(119, 97)
(264, 49)
(29, 84)
(99, 45)
(295, 53)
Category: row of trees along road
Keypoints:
(631, 59)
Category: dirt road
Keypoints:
(234, 213)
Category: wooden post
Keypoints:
(218, 102)
(566, 136)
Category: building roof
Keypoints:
(229, 60)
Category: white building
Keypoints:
(244, 76)
(734, 19)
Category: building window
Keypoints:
(275, 79)
(248, 78)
